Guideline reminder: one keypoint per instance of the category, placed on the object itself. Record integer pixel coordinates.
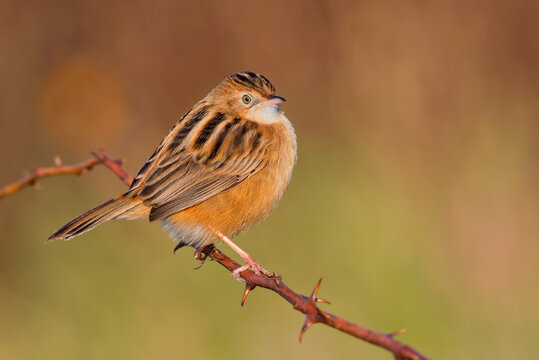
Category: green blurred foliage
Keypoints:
(415, 195)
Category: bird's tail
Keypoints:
(112, 209)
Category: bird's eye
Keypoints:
(246, 99)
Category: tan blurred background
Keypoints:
(415, 195)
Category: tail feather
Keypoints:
(107, 211)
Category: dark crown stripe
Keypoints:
(268, 83)
(250, 79)
(244, 80)
(256, 79)
(208, 129)
(221, 138)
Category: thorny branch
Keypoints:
(305, 304)
(313, 315)
(30, 178)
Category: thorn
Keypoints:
(306, 325)
(395, 333)
(36, 186)
(248, 288)
(57, 160)
(324, 301)
(315, 291)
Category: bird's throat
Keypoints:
(267, 114)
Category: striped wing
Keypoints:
(205, 154)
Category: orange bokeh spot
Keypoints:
(83, 105)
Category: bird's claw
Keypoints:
(201, 257)
(255, 267)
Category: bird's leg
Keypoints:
(250, 262)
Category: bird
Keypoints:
(222, 168)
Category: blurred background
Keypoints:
(415, 194)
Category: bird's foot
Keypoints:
(201, 257)
(251, 264)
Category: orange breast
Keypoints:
(250, 202)
(235, 209)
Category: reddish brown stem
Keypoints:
(313, 314)
(306, 305)
(30, 178)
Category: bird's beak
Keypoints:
(267, 111)
(273, 100)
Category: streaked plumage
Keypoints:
(221, 168)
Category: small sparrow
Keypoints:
(222, 168)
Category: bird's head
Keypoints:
(248, 95)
